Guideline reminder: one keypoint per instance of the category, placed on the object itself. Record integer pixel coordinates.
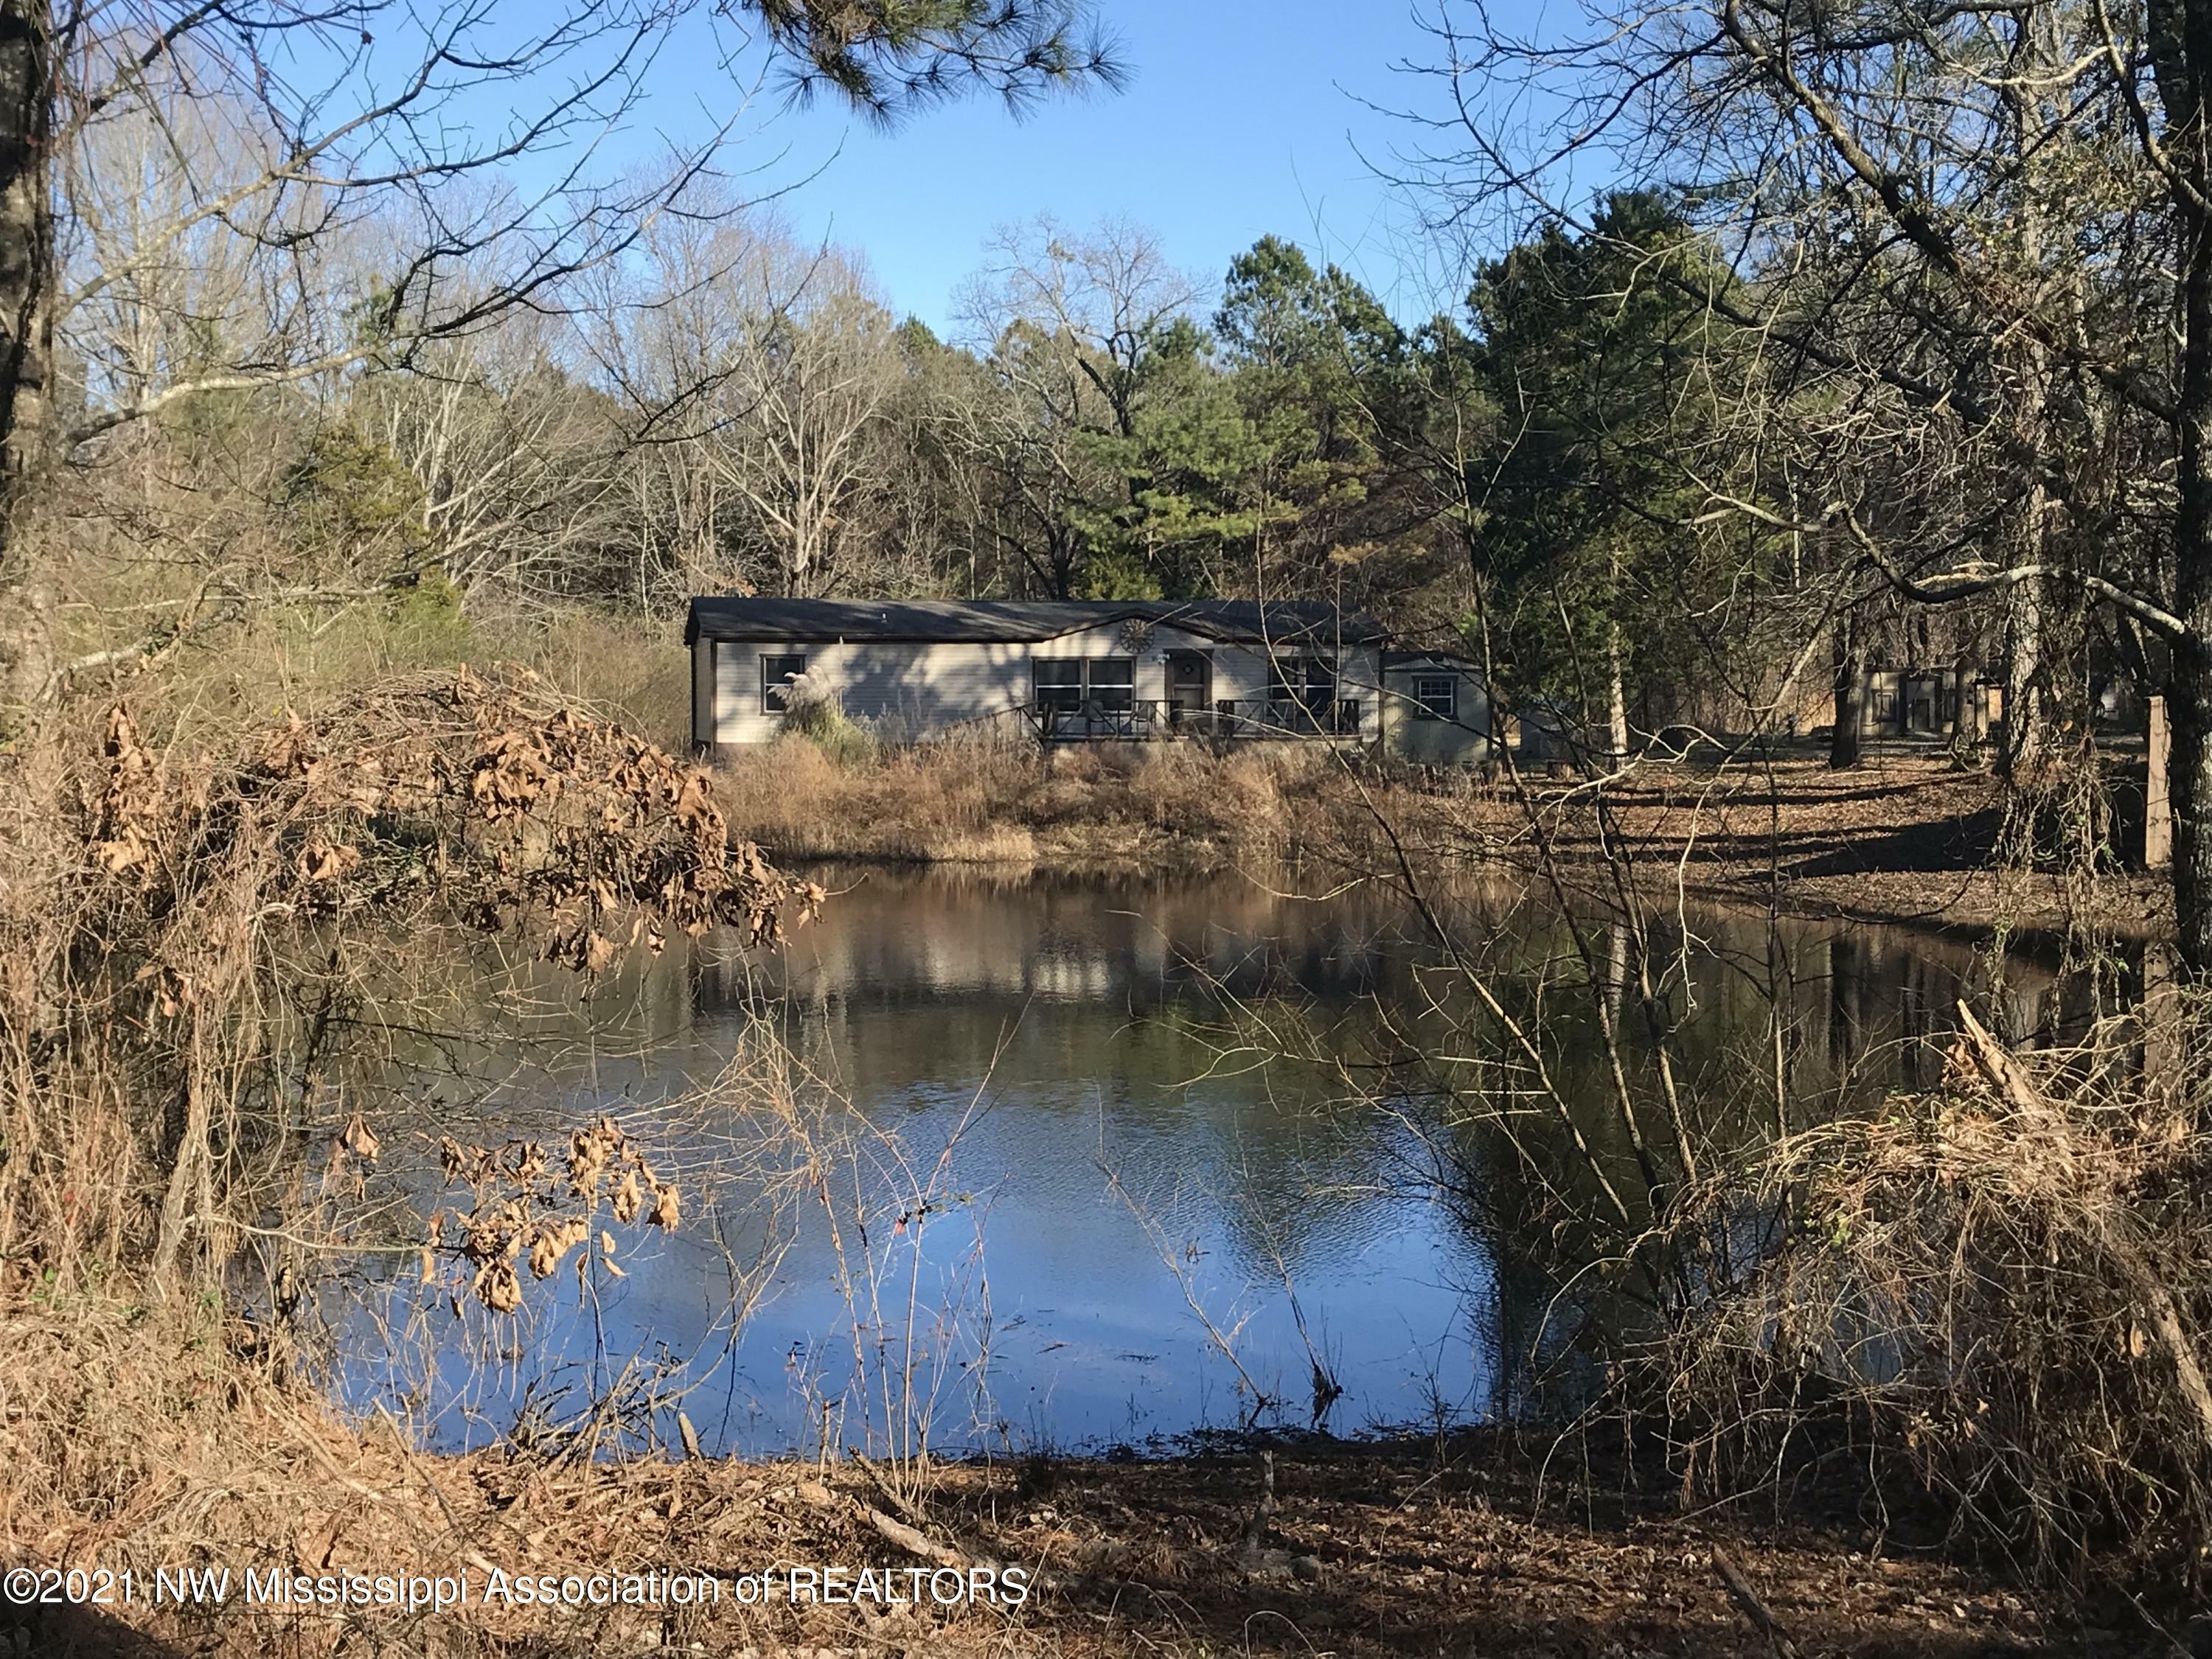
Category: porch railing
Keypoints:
(1098, 722)
(1289, 717)
(1230, 719)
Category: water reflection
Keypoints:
(1134, 1220)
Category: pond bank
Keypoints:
(119, 1424)
(1910, 840)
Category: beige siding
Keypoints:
(1462, 742)
(917, 687)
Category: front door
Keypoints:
(1190, 685)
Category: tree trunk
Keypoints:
(27, 257)
(2182, 66)
(2024, 720)
(1966, 720)
(1851, 697)
(2025, 717)
(1616, 704)
(2189, 772)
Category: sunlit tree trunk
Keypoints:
(2023, 703)
(1616, 702)
(1966, 724)
(2025, 718)
(27, 257)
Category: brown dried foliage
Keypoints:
(499, 800)
(517, 1205)
(1998, 1296)
(186, 934)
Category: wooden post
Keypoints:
(2158, 813)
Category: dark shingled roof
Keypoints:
(1277, 622)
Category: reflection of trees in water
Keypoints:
(1843, 1010)
(1300, 1073)
(1765, 1027)
(912, 939)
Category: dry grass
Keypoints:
(1908, 838)
(1998, 1297)
(999, 798)
(276, 658)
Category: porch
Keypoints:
(1230, 720)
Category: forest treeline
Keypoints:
(727, 409)
(1781, 348)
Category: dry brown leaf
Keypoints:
(320, 861)
(498, 1287)
(629, 1198)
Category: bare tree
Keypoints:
(812, 366)
(1108, 297)
(1977, 247)
(760, 370)
(1019, 425)
(517, 467)
(1070, 327)
(448, 154)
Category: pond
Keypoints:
(1025, 1160)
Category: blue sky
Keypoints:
(1241, 118)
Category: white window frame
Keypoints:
(1087, 693)
(772, 692)
(1427, 706)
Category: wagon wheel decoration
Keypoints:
(1136, 636)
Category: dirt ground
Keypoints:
(1907, 838)
(1369, 1553)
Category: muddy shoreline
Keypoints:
(1531, 1542)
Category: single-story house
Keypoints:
(1225, 670)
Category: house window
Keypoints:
(1113, 683)
(776, 676)
(1060, 684)
(1436, 697)
(1309, 682)
(1067, 683)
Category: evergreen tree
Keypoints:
(1595, 355)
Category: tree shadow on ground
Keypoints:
(1440, 1549)
(61, 1630)
(1945, 847)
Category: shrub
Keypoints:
(811, 710)
(1995, 1294)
